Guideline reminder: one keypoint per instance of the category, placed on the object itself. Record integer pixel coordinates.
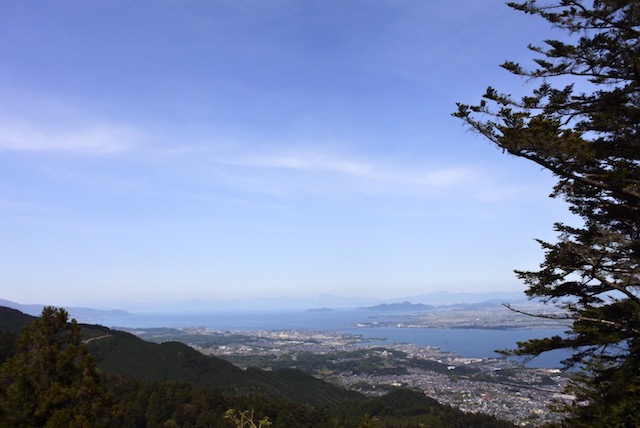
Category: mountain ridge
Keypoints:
(172, 384)
(81, 314)
(119, 353)
(86, 314)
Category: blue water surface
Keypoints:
(471, 343)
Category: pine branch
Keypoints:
(568, 317)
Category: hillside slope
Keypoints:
(123, 354)
(171, 384)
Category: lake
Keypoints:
(464, 342)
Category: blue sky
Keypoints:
(156, 151)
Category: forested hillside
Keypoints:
(58, 373)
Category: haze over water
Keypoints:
(471, 343)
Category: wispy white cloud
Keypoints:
(445, 177)
(322, 172)
(330, 172)
(245, 165)
(312, 162)
(89, 139)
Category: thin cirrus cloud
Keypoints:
(364, 176)
(311, 162)
(92, 139)
(275, 171)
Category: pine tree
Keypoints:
(586, 133)
(51, 381)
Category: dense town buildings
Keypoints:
(495, 386)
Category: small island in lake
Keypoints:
(320, 310)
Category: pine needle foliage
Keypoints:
(581, 122)
(51, 380)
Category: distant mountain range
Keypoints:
(404, 306)
(474, 301)
(80, 314)
(324, 302)
(440, 298)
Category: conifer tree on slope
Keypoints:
(51, 381)
(587, 134)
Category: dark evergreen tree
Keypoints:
(51, 381)
(582, 123)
